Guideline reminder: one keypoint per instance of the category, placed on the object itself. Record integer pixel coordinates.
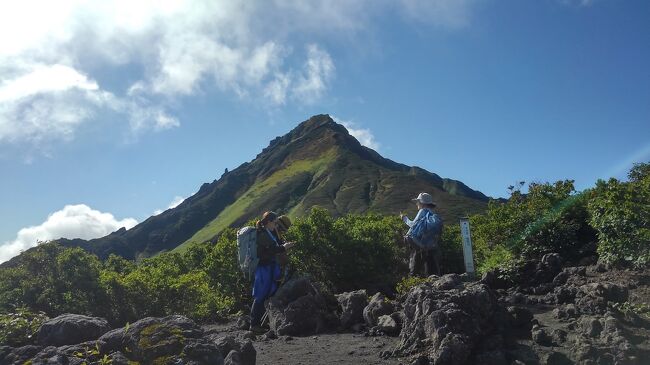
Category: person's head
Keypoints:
(283, 223)
(268, 221)
(424, 200)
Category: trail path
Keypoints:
(332, 348)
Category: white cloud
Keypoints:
(276, 90)
(49, 103)
(363, 135)
(43, 79)
(45, 102)
(318, 70)
(52, 60)
(73, 221)
(177, 200)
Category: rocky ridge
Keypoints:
(72, 339)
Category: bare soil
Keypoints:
(330, 348)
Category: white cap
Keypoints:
(425, 198)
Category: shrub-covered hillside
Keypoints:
(611, 220)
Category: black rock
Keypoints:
(301, 308)
(447, 325)
(541, 336)
(352, 306)
(70, 329)
(521, 317)
(377, 307)
(246, 353)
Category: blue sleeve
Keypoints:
(419, 216)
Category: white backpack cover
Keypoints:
(247, 244)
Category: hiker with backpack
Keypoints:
(423, 238)
(262, 264)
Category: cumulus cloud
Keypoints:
(52, 60)
(49, 102)
(177, 200)
(317, 72)
(73, 221)
(363, 135)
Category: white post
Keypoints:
(467, 246)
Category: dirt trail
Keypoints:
(332, 348)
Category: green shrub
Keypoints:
(549, 218)
(451, 249)
(20, 327)
(350, 252)
(627, 308)
(222, 268)
(408, 282)
(53, 279)
(620, 212)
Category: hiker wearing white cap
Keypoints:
(423, 259)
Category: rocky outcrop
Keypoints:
(390, 325)
(69, 329)
(352, 305)
(301, 308)
(543, 314)
(453, 325)
(169, 340)
(236, 350)
(576, 319)
(378, 306)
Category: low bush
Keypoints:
(350, 252)
(19, 328)
(620, 213)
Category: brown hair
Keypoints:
(266, 218)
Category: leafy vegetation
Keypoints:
(19, 328)
(637, 309)
(204, 282)
(549, 218)
(408, 282)
(350, 252)
(620, 212)
(346, 253)
(92, 355)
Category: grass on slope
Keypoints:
(234, 211)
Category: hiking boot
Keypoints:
(258, 330)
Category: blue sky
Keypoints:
(110, 112)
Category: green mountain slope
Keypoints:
(316, 164)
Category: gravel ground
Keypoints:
(331, 348)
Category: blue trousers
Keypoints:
(264, 286)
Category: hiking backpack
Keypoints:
(247, 244)
(426, 232)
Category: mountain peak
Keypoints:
(317, 123)
(317, 134)
(318, 163)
